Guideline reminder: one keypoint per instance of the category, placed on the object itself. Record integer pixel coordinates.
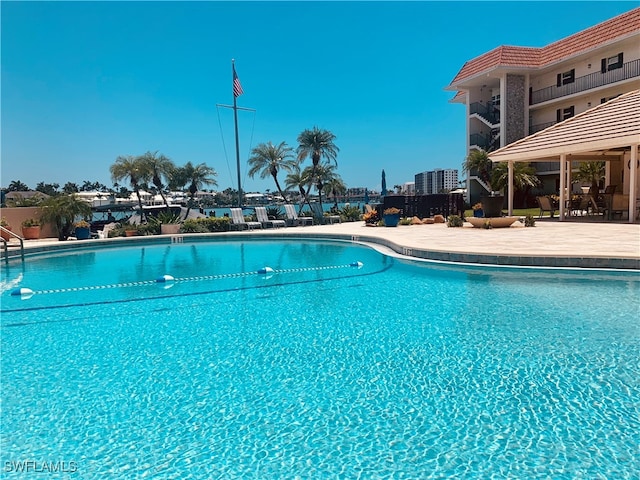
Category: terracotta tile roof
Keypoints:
(530, 57)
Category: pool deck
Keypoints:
(548, 244)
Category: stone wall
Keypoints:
(515, 108)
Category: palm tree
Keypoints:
(335, 186)
(198, 176)
(17, 186)
(133, 169)
(592, 172)
(478, 161)
(320, 176)
(524, 176)
(62, 211)
(269, 159)
(158, 166)
(317, 144)
(297, 180)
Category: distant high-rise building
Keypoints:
(436, 181)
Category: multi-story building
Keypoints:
(512, 92)
(436, 181)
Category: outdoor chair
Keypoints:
(293, 219)
(546, 206)
(321, 217)
(263, 218)
(238, 221)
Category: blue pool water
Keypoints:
(319, 370)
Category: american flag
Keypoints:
(237, 88)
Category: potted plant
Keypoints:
(31, 229)
(371, 218)
(391, 217)
(5, 226)
(169, 222)
(477, 210)
(479, 164)
(82, 230)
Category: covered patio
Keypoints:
(608, 132)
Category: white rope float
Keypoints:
(167, 281)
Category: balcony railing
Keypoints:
(541, 126)
(489, 113)
(593, 80)
(482, 141)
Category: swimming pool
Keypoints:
(323, 368)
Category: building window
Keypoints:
(564, 113)
(611, 63)
(566, 77)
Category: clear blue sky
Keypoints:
(85, 82)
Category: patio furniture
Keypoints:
(238, 221)
(263, 218)
(546, 206)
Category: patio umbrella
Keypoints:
(384, 183)
(366, 196)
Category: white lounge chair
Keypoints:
(321, 217)
(104, 233)
(263, 218)
(293, 219)
(237, 219)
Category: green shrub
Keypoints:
(205, 225)
(529, 221)
(275, 213)
(405, 221)
(455, 221)
(350, 214)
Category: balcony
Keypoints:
(480, 141)
(490, 113)
(581, 84)
(541, 126)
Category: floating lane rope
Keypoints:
(168, 281)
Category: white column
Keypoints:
(563, 180)
(510, 202)
(633, 184)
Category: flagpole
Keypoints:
(235, 121)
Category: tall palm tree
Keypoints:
(269, 159)
(133, 169)
(320, 176)
(317, 144)
(296, 180)
(198, 176)
(159, 167)
(335, 187)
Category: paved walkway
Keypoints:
(549, 243)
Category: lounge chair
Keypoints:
(545, 206)
(321, 217)
(237, 220)
(104, 233)
(293, 219)
(263, 218)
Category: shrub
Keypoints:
(31, 222)
(350, 214)
(455, 221)
(206, 225)
(405, 221)
(391, 211)
(275, 213)
(529, 221)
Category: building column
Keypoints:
(510, 200)
(563, 186)
(633, 184)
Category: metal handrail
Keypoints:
(6, 243)
(593, 80)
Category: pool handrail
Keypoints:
(5, 243)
